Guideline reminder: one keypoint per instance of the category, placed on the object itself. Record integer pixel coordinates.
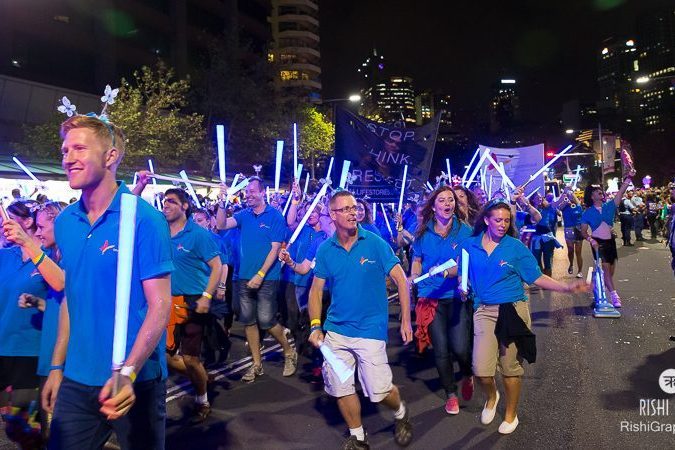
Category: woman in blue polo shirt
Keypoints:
(597, 224)
(25, 271)
(438, 238)
(364, 216)
(571, 211)
(499, 264)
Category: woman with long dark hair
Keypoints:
(442, 315)
(467, 202)
(596, 226)
(499, 264)
(364, 216)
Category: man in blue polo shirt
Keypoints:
(198, 269)
(262, 229)
(355, 263)
(87, 233)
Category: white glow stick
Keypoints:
(300, 167)
(449, 264)
(465, 271)
(302, 223)
(548, 164)
(429, 186)
(339, 367)
(532, 193)
(400, 198)
(190, 189)
(386, 219)
(490, 188)
(25, 169)
(267, 193)
(576, 178)
(277, 170)
(345, 172)
(500, 168)
(447, 163)
(296, 170)
(152, 170)
(483, 184)
(135, 179)
(220, 139)
(466, 172)
(304, 191)
(287, 204)
(330, 167)
(125, 262)
(477, 168)
(589, 277)
(180, 180)
(374, 212)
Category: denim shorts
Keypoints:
(258, 305)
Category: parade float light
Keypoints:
(125, 263)
(25, 169)
(465, 272)
(190, 189)
(345, 172)
(386, 220)
(220, 140)
(449, 264)
(466, 171)
(400, 198)
(277, 169)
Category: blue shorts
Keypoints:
(258, 305)
(77, 422)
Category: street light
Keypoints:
(569, 131)
(642, 80)
(355, 98)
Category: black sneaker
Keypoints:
(354, 444)
(200, 413)
(403, 432)
(570, 269)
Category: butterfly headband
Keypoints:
(109, 95)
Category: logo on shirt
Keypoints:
(180, 248)
(262, 225)
(454, 245)
(503, 263)
(366, 260)
(107, 246)
(35, 273)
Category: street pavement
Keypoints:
(590, 375)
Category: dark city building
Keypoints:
(504, 105)
(390, 100)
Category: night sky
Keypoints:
(462, 47)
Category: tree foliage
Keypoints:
(41, 141)
(317, 135)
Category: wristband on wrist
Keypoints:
(261, 274)
(313, 329)
(315, 322)
(129, 371)
(38, 259)
(222, 285)
(207, 295)
(59, 367)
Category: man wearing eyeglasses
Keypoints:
(355, 264)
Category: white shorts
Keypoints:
(373, 367)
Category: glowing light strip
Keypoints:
(438, 269)
(465, 271)
(25, 169)
(277, 169)
(345, 172)
(190, 189)
(220, 139)
(386, 219)
(473, 158)
(400, 198)
(302, 223)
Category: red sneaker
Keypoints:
(452, 405)
(467, 389)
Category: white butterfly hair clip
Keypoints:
(67, 108)
(109, 95)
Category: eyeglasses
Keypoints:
(346, 209)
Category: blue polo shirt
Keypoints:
(223, 247)
(307, 239)
(434, 249)
(572, 215)
(371, 227)
(549, 219)
(50, 328)
(231, 242)
(593, 218)
(499, 278)
(357, 280)
(191, 248)
(257, 234)
(20, 328)
(89, 257)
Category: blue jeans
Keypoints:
(258, 305)
(546, 251)
(450, 336)
(78, 423)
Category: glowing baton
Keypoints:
(345, 172)
(190, 189)
(299, 173)
(135, 179)
(374, 212)
(287, 204)
(125, 263)
(267, 194)
(548, 164)
(302, 223)
(296, 170)
(343, 372)
(400, 198)
(152, 170)
(386, 219)
(277, 169)
(532, 193)
(449, 264)
(304, 191)
(447, 163)
(477, 168)
(465, 271)
(429, 186)
(25, 169)
(500, 168)
(330, 167)
(181, 180)
(220, 139)
(576, 178)
(589, 277)
(473, 158)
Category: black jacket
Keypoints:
(511, 328)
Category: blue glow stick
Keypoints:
(343, 372)
(345, 171)
(125, 262)
(191, 191)
(477, 168)
(465, 271)
(220, 139)
(277, 170)
(25, 169)
(400, 198)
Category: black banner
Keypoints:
(378, 153)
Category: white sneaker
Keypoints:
(580, 275)
(488, 415)
(508, 428)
